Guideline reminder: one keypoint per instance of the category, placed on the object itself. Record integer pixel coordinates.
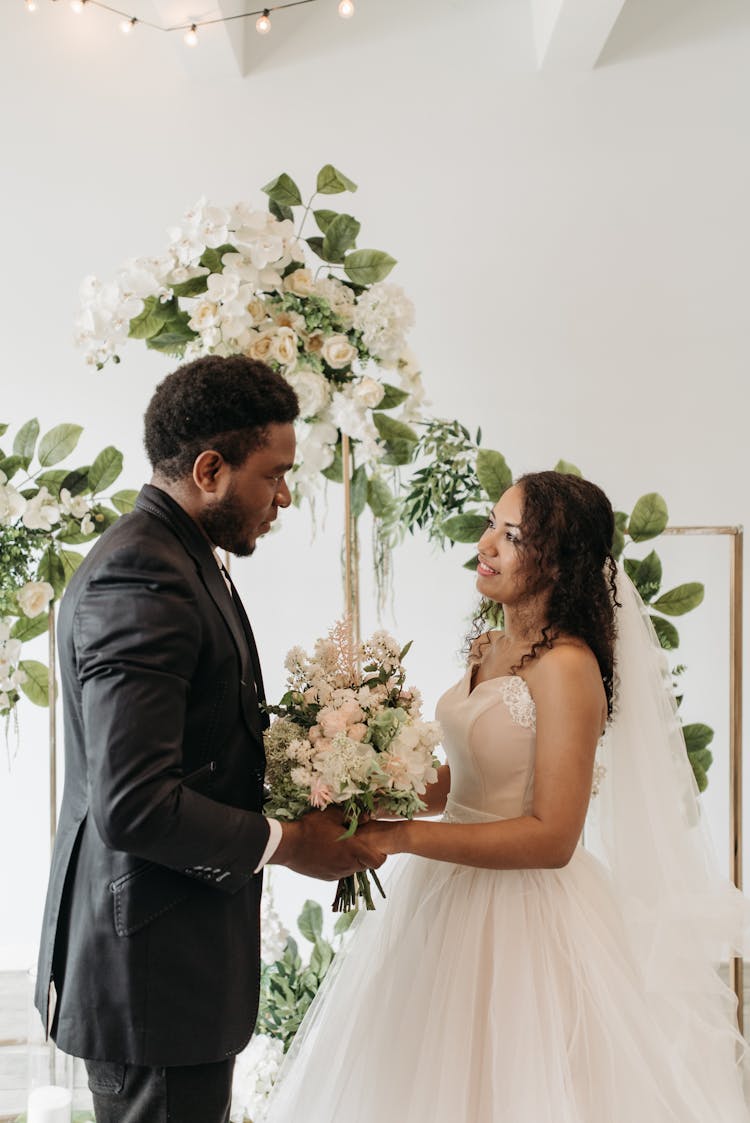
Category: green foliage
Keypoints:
(332, 182)
(289, 985)
(493, 473)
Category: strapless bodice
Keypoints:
(489, 737)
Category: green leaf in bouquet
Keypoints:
(365, 267)
(103, 517)
(699, 772)
(464, 528)
(471, 564)
(58, 443)
(77, 481)
(173, 337)
(283, 190)
(36, 687)
(704, 758)
(340, 236)
(405, 651)
(310, 921)
(379, 497)
(51, 569)
(25, 441)
(567, 469)
(645, 574)
(493, 473)
(9, 465)
(359, 491)
(194, 286)
(53, 480)
(667, 634)
(324, 219)
(27, 628)
(124, 501)
(105, 469)
(3, 428)
(392, 397)
(152, 319)
(697, 736)
(283, 214)
(649, 518)
(320, 959)
(682, 599)
(212, 259)
(73, 535)
(332, 182)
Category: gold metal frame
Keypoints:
(736, 533)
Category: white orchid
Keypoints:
(75, 505)
(41, 512)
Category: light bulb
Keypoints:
(191, 36)
(30, 5)
(263, 23)
(127, 25)
(346, 9)
(77, 6)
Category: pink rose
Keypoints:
(357, 731)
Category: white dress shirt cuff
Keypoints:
(274, 838)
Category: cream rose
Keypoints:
(338, 352)
(369, 392)
(299, 282)
(34, 597)
(312, 390)
(261, 347)
(284, 347)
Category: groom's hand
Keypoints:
(313, 845)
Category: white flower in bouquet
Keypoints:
(41, 511)
(75, 505)
(384, 315)
(34, 597)
(313, 392)
(353, 418)
(12, 503)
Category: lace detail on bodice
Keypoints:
(517, 698)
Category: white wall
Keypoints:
(575, 245)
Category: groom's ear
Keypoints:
(210, 471)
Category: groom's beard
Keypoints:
(226, 525)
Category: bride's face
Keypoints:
(501, 570)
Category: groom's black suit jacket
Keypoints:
(151, 926)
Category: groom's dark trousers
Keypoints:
(149, 956)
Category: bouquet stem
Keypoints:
(355, 888)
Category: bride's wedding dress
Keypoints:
(505, 996)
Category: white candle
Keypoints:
(49, 1105)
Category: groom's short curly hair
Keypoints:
(220, 402)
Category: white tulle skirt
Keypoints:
(485, 996)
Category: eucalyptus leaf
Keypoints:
(392, 397)
(668, 636)
(36, 687)
(340, 236)
(464, 528)
(105, 469)
(567, 469)
(332, 182)
(310, 921)
(27, 628)
(682, 599)
(493, 473)
(359, 491)
(324, 218)
(283, 191)
(124, 501)
(25, 441)
(58, 443)
(697, 736)
(649, 517)
(379, 497)
(366, 267)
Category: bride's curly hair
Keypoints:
(567, 528)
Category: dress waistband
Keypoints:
(456, 812)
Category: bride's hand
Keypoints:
(388, 837)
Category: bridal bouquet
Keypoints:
(351, 737)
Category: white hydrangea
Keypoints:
(255, 1071)
(273, 934)
(384, 314)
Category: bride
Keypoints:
(513, 976)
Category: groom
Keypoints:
(149, 959)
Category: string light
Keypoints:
(263, 23)
(77, 6)
(191, 37)
(127, 25)
(346, 9)
(30, 5)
